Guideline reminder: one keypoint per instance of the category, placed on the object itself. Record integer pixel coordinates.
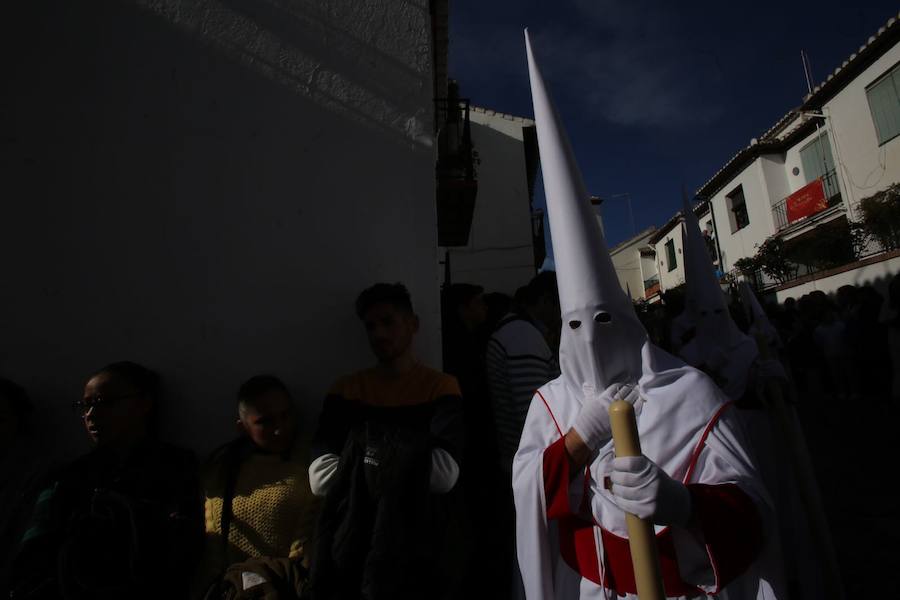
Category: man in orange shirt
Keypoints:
(387, 447)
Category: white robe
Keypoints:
(682, 417)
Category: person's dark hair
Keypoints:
(394, 294)
(18, 400)
(498, 305)
(458, 294)
(251, 390)
(870, 302)
(847, 295)
(146, 381)
(541, 285)
(522, 296)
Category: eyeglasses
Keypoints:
(82, 407)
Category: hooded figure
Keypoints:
(756, 316)
(801, 551)
(695, 481)
(718, 347)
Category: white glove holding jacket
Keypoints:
(644, 490)
(592, 423)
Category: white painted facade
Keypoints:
(773, 170)
(206, 191)
(864, 166)
(499, 255)
(633, 266)
(670, 275)
(737, 243)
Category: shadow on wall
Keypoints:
(204, 187)
(354, 70)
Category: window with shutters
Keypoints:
(818, 163)
(884, 104)
(671, 261)
(738, 217)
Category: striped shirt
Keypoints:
(518, 362)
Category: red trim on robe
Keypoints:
(695, 456)
(731, 527)
(576, 534)
(552, 416)
(556, 480)
(726, 516)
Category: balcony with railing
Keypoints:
(832, 191)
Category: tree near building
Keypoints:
(881, 216)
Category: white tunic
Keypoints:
(687, 429)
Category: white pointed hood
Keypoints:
(757, 318)
(718, 346)
(601, 337)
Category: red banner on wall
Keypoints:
(806, 201)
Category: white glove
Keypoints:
(444, 471)
(592, 423)
(322, 472)
(646, 491)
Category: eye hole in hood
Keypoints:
(603, 317)
(574, 324)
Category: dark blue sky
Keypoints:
(655, 93)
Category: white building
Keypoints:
(846, 135)
(206, 190)
(666, 246)
(499, 253)
(635, 264)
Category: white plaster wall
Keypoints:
(878, 275)
(744, 242)
(631, 269)
(669, 279)
(864, 167)
(500, 252)
(648, 267)
(204, 187)
(779, 181)
(628, 269)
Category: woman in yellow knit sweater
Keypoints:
(271, 512)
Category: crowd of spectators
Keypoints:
(405, 483)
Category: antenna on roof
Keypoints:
(807, 70)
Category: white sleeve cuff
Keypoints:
(444, 471)
(321, 473)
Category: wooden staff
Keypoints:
(786, 428)
(641, 535)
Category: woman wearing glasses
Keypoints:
(124, 520)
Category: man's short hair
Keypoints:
(146, 381)
(542, 284)
(254, 388)
(394, 294)
(459, 294)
